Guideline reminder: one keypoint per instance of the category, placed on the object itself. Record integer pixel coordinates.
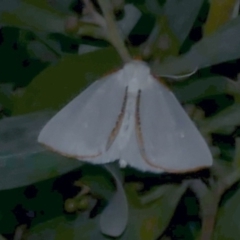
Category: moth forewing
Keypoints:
(169, 139)
(82, 128)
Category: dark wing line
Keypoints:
(84, 157)
(119, 121)
(141, 142)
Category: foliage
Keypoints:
(52, 50)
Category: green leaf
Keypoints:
(114, 218)
(130, 19)
(236, 160)
(44, 48)
(220, 12)
(22, 160)
(150, 221)
(157, 192)
(227, 224)
(98, 180)
(35, 15)
(5, 100)
(145, 222)
(181, 16)
(61, 228)
(174, 22)
(207, 52)
(59, 83)
(198, 89)
(223, 122)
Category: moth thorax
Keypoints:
(136, 66)
(128, 123)
(134, 85)
(139, 82)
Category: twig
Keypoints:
(209, 200)
(226, 182)
(147, 47)
(84, 191)
(96, 18)
(209, 213)
(209, 205)
(20, 230)
(113, 31)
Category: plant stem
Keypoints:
(209, 213)
(209, 200)
(209, 205)
(113, 31)
(20, 230)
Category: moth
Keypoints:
(131, 117)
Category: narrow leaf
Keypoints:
(65, 79)
(223, 122)
(181, 16)
(22, 160)
(220, 12)
(227, 224)
(35, 15)
(114, 218)
(207, 52)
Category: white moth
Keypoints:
(131, 117)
